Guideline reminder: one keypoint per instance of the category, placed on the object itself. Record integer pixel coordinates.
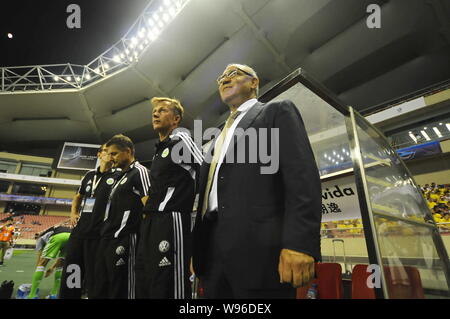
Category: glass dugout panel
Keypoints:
(399, 232)
(325, 127)
(412, 264)
(342, 235)
(415, 265)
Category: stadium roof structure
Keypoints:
(177, 48)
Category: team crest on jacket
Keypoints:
(120, 250)
(88, 188)
(165, 153)
(164, 246)
(110, 181)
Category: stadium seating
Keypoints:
(402, 283)
(34, 224)
(360, 290)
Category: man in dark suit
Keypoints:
(257, 231)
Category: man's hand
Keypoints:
(296, 268)
(74, 219)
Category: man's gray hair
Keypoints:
(247, 69)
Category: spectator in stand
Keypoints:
(6, 238)
(445, 220)
(432, 203)
(357, 227)
(435, 194)
(436, 214)
(446, 195)
(443, 200)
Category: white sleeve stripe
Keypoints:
(186, 142)
(144, 172)
(188, 146)
(143, 181)
(146, 177)
(194, 146)
(191, 145)
(141, 178)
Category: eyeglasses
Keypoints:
(231, 74)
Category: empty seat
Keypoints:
(328, 280)
(403, 282)
(360, 290)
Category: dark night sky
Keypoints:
(41, 35)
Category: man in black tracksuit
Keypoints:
(115, 267)
(164, 246)
(88, 209)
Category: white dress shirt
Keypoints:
(213, 202)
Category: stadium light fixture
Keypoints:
(436, 130)
(166, 17)
(413, 137)
(424, 134)
(147, 29)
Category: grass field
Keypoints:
(20, 268)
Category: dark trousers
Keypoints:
(115, 268)
(80, 256)
(163, 256)
(219, 283)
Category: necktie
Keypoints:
(215, 159)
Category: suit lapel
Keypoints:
(244, 124)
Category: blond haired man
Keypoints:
(164, 245)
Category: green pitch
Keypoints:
(20, 268)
